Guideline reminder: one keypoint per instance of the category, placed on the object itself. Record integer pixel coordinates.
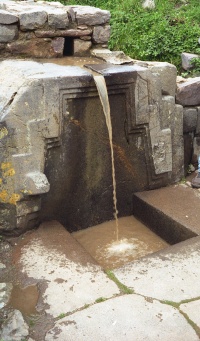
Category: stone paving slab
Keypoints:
(172, 274)
(72, 277)
(125, 318)
(192, 309)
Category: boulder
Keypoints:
(188, 92)
(186, 60)
(14, 327)
(148, 4)
(8, 33)
(189, 119)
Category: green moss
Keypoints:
(123, 288)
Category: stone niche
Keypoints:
(54, 150)
(49, 29)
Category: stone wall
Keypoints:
(188, 95)
(50, 29)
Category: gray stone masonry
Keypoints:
(51, 119)
(26, 25)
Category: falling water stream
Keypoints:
(103, 95)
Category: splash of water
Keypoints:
(103, 95)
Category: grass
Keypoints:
(158, 34)
(123, 288)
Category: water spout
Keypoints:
(103, 95)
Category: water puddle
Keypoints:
(72, 61)
(25, 300)
(135, 241)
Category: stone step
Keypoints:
(171, 212)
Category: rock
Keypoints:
(38, 47)
(5, 292)
(7, 18)
(198, 121)
(196, 150)
(58, 20)
(189, 119)
(2, 266)
(8, 33)
(149, 4)
(188, 93)
(32, 19)
(90, 15)
(112, 57)
(167, 74)
(101, 34)
(186, 60)
(81, 47)
(14, 327)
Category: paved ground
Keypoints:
(154, 298)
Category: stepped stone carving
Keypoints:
(54, 149)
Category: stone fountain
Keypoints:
(54, 147)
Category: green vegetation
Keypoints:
(100, 299)
(158, 34)
(123, 288)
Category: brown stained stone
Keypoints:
(63, 33)
(37, 48)
(58, 46)
(81, 47)
(86, 38)
(2, 46)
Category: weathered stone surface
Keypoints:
(189, 119)
(58, 46)
(81, 47)
(14, 328)
(188, 92)
(176, 266)
(196, 149)
(186, 60)
(167, 74)
(129, 317)
(101, 34)
(58, 20)
(192, 310)
(73, 279)
(7, 18)
(63, 33)
(39, 47)
(31, 20)
(188, 150)
(198, 121)
(149, 125)
(5, 292)
(8, 33)
(113, 57)
(90, 15)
